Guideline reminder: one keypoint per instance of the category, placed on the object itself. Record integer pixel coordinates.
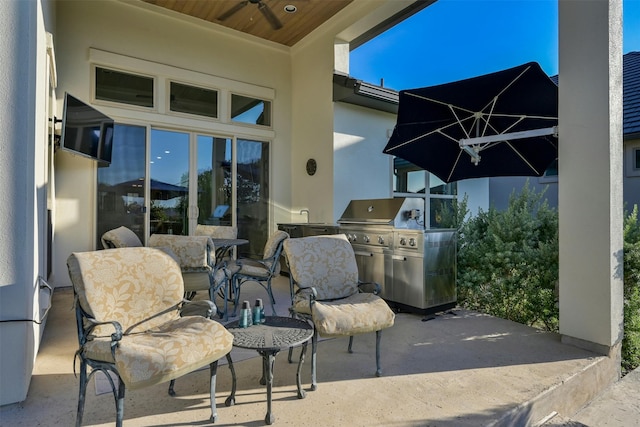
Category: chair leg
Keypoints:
(271, 298)
(213, 369)
(83, 391)
(120, 403)
(350, 347)
(314, 347)
(172, 392)
(378, 368)
(236, 294)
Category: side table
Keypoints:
(277, 333)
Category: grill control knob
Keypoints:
(366, 239)
(412, 242)
(381, 240)
(403, 241)
(355, 238)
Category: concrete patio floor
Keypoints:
(459, 369)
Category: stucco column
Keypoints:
(590, 173)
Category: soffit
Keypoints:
(250, 16)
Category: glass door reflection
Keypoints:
(214, 181)
(169, 182)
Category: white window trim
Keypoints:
(629, 159)
(164, 73)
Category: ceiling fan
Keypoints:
(262, 7)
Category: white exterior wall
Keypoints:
(23, 169)
(361, 169)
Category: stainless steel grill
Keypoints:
(415, 267)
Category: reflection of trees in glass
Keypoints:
(248, 190)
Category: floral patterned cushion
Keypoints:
(128, 285)
(217, 231)
(120, 237)
(194, 252)
(357, 314)
(326, 263)
(141, 288)
(272, 244)
(253, 268)
(166, 352)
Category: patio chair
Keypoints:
(128, 305)
(121, 237)
(219, 232)
(325, 289)
(260, 271)
(200, 271)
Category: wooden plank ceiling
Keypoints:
(266, 19)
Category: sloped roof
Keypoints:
(631, 95)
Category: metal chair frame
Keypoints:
(82, 320)
(270, 265)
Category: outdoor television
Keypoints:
(86, 131)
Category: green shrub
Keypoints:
(508, 265)
(631, 339)
(508, 261)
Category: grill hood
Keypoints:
(402, 212)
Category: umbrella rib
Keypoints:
(486, 123)
(507, 86)
(522, 157)
(435, 101)
(453, 168)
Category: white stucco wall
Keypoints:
(23, 154)
(361, 169)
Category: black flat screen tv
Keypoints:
(86, 131)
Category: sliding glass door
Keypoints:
(191, 179)
(121, 185)
(253, 195)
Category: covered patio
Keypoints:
(460, 369)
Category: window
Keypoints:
(193, 100)
(412, 181)
(551, 173)
(249, 110)
(632, 159)
(125, 88)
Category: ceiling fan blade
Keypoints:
(271, 17)
(233, 10)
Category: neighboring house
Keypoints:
(500, 189)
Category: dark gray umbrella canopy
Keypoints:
(432, 122)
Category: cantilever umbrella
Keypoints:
(498, 124)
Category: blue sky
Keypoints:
(457, 39)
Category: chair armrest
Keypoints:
(370, 287)
(116, 336)
(204, 308)
(313, 295)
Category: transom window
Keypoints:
(245, 109)
(125, 88)
(193, 100)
